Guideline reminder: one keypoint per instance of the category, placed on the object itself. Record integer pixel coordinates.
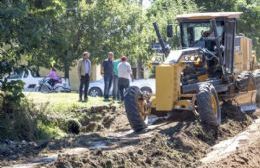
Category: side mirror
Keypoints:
(169, 31)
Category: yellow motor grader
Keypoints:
(215, 65)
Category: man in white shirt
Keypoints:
(124, 76)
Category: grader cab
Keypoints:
(214, 66)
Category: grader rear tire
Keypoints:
(208, 105)
(134, 115)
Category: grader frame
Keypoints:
(214, 65)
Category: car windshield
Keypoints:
(193, 33)
(16, 74)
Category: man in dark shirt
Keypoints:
(108, 74)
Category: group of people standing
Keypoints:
(116, 72)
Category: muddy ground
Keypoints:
(113, 144)
(168, 144)
(96, 119)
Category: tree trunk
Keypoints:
(37, 71)
(139, 69)
(66, 66)
(66, 70)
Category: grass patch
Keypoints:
(62, 104)
(48, 131)
(54, 110)
(46, 116)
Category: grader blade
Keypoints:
(246, 108)
(246, 101)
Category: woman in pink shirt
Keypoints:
(54, 78)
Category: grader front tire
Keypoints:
(132, 106)
(208, 105)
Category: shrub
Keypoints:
(18, 122)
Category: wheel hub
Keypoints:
(143, 106)
(214, 104)
(94, 93)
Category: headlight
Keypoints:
(192, 58)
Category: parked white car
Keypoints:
(31, 82)
(96, 88)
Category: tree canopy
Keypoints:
(249, 23)
(46, 31)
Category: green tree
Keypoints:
(164, 12)
(216, 5)
(24, 27)
(65, 45)
(118, 26)
(249, 23)
(62, 36)
(97, 26)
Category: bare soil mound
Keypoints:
(244, 158)
(175, 145)
(95, 119)
(101, 118)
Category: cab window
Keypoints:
(200, 34)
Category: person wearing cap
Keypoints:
(107, 70)
(84, 71)
(124, 76)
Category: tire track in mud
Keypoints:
(112, 141)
